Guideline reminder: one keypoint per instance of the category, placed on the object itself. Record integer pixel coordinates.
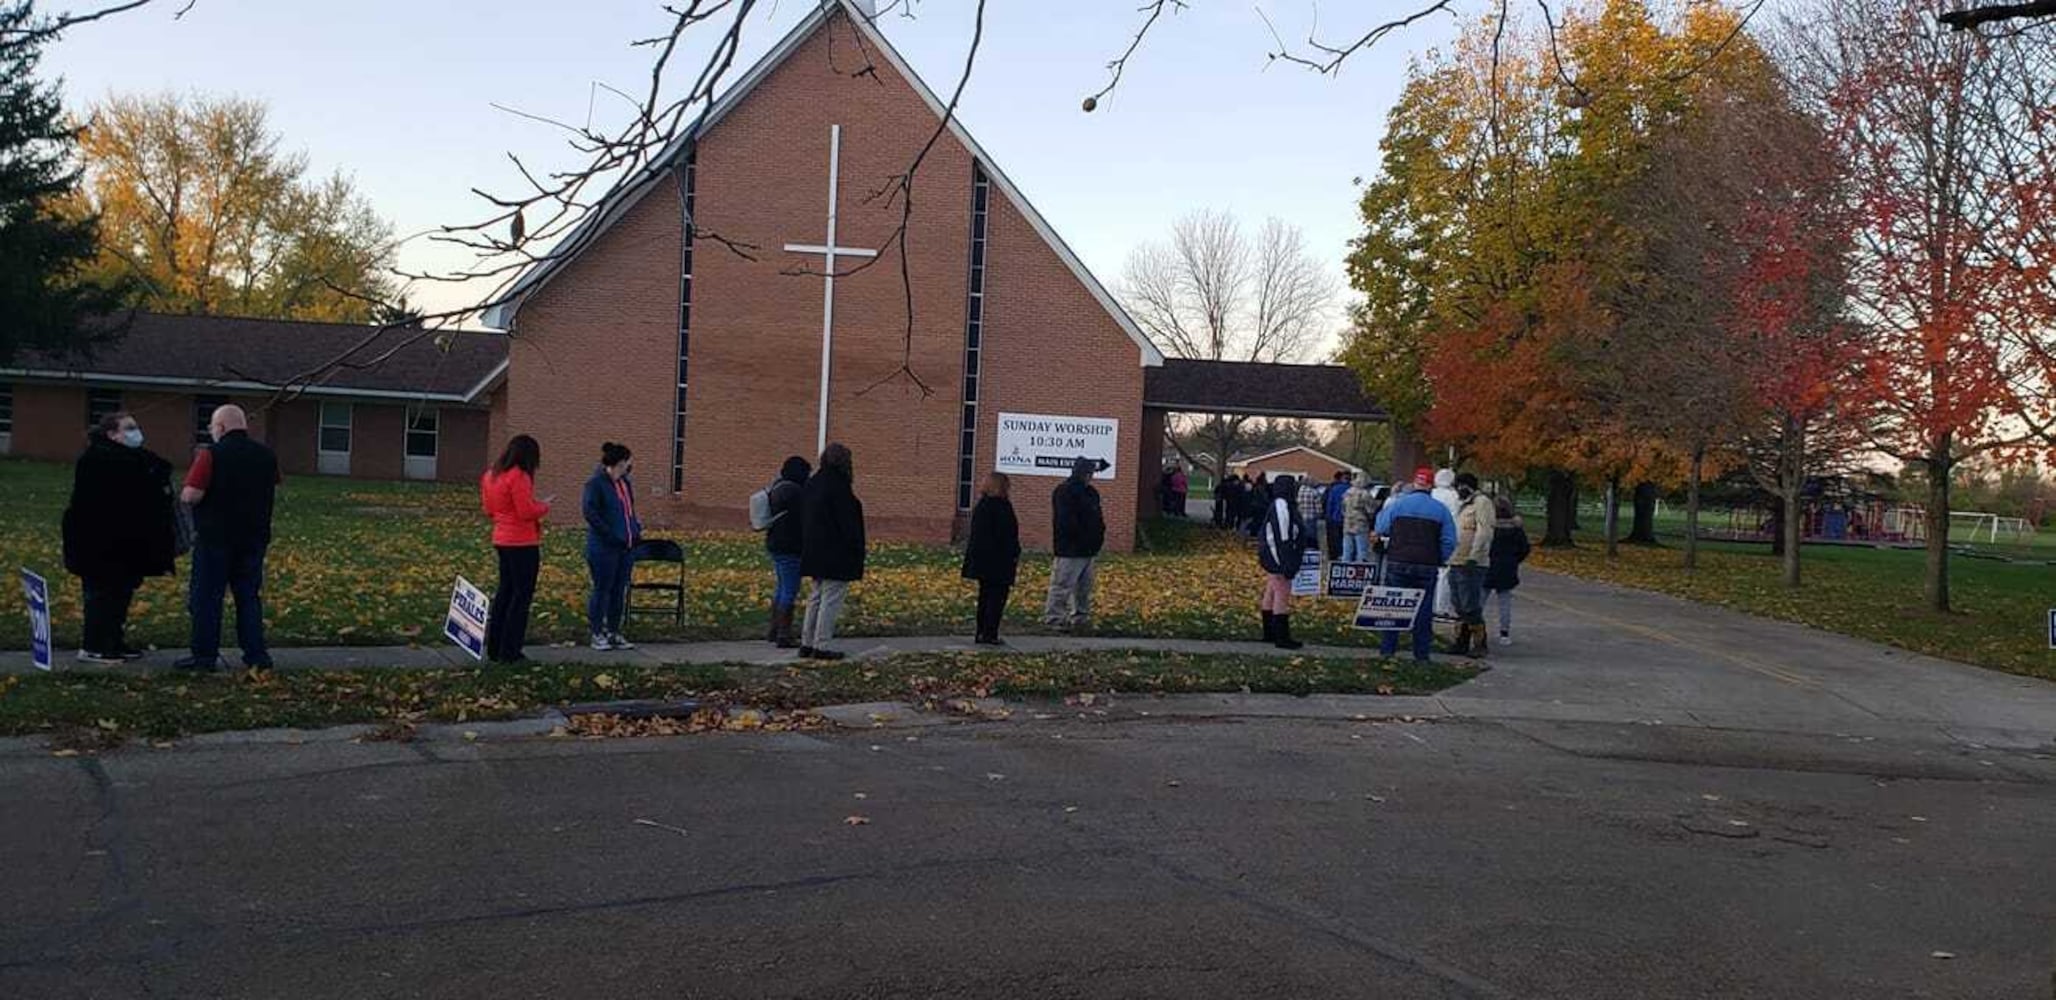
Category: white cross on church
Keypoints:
(828, 251)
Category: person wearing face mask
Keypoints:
(1476, 519)
(118, 530)
(611, 532)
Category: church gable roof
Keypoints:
(632, 189)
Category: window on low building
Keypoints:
(333, 444)
(424, 433)
(99, 403)
(203, 417)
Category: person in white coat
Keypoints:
(1445, 493)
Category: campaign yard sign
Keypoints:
(1307, 582)
(1350, 579)
(465, 624)
(1389, 609)
(2052, 628)
(37, 590)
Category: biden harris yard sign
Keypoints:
(1034, 444)
(37, 591)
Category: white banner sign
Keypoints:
(1034, 444)
(1307, 582)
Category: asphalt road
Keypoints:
(1104, 856)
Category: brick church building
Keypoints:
(708, 364)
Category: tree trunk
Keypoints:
(1613, 518)
(1792, 486)
(1644, 530)
(1577, 497)
(1777, 525)
(1935, 585)
(1692, 510)
(1562, 508)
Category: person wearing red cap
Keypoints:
(1419, 537)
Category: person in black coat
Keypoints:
(1078, 530)
(1282, 542)
(992, 554)
(118, 529)
(831, 548)
(1503, 572)
(783, 541)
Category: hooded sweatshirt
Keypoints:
(787, 536)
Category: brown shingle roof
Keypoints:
(232, 352)
(1319, 392)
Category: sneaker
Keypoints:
(602, 643)
(829, 654)
(620, 641)
(197, 664)
(1505, 639)
(88, 656)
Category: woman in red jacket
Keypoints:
(507, 490)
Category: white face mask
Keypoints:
(133, 437)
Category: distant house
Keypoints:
(424, 412)
(1297, 461)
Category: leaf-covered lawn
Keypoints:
(359, 563)
(111, 707)
(1999, 621)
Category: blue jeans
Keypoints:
(218, 570)
(1356, 547)
(1399, 574)
(1467, 593)
(788, 570)
(610, 569)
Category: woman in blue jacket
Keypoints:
(611, 532)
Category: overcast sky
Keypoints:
(397, 94)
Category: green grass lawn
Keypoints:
(94, 710)
(1999, 622)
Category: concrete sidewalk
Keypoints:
(1584, 652)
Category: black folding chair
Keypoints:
(664, 589)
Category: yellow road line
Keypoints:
(1746, 663)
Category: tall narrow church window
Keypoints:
(686, 178)
(974, 329)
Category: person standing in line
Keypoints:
(1181, 487)
(1255, 501)
(507, 492)
(611, 533)
(1313, 507)
(118, 529)
(1509, 550)
(831, 548)
(231, 487)
(783, 539)
(1333, 515)
(992, 554)
(1445, 494)
(1419, 537)
(1224, 499)
(1280, 551)
(1358, 510)
(1078, 531)
(1475, 520)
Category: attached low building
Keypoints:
(398, 406)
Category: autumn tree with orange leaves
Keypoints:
(1951, 150)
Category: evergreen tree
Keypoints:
(45, 244)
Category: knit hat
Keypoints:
(1424, 477)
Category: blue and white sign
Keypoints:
(465, 625)
(2052, 628)
(37, 590)
(1389, 609)
(1307, 582)
(1041, 444)
(1351, 579)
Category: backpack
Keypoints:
(761, 517)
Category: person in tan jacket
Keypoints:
(1476, 518)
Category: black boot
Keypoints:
(781, 629)
(1284, 638)
(1461, 645)
(1270, 627)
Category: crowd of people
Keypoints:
(1438, 533)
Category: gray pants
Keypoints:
(1070, 591)
(1504, 598)
(824, 606)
